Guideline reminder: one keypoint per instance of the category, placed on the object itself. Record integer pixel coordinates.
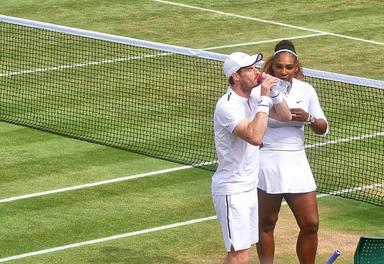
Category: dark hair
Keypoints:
(230, 81)
(284, 46)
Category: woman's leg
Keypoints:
(304, 208)
(269, 207)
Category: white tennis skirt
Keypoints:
(285, 171)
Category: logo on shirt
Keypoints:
(229, 96)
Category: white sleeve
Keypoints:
(229, 115)
(315, 109)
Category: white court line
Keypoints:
(269, 22)
(127, 178)
(154, 229)
(92, 63)
(340, 140)
(79, 65)
(93, 184)
(264, 41)
(104, 239)
(354, 189)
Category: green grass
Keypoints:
(34, 161)
(50, 161)
(104, 211)
(349, 219)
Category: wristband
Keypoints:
(274, 93)
(277, 97)
(263, 104)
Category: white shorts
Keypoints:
(238, 218)
(285, 172)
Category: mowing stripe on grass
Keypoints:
(154, 173)
(155, 229)
(270, 22)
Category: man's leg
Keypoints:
(238, 257)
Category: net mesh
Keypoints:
(161, 103)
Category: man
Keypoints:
(240, 120)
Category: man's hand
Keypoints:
(267, 84)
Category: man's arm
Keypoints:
(280, 110)
(253, 131)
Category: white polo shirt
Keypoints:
(290, 135)
(238, 161)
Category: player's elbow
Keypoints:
(256, 140)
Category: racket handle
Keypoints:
(334, 256)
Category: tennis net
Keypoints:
(158, 100)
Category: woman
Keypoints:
(284, 168)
